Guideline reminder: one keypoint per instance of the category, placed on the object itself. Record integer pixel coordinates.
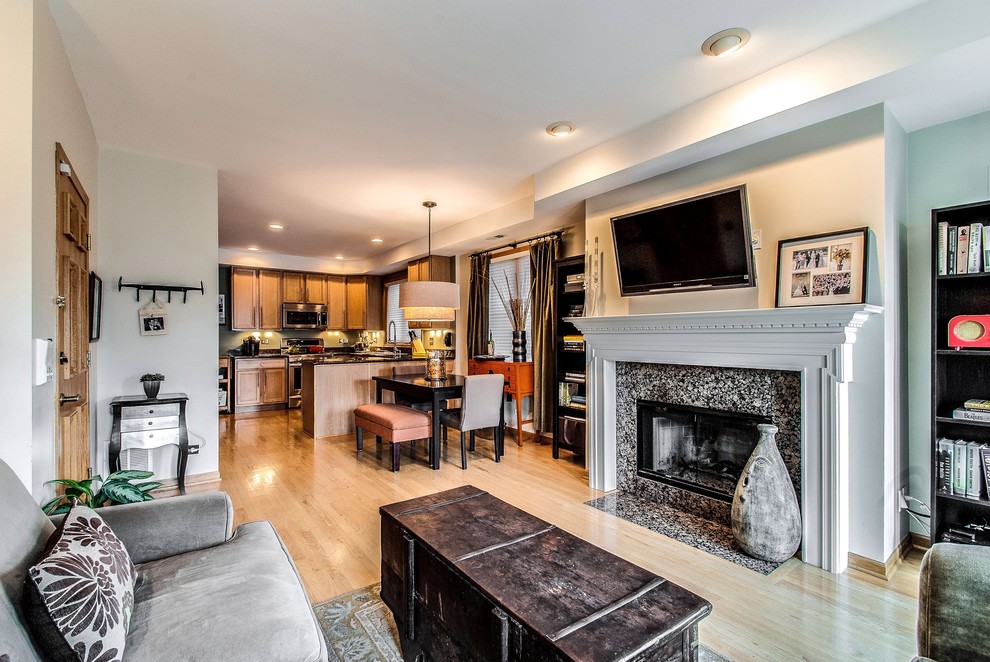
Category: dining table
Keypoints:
(436, 391)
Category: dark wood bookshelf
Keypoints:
(957, 374)
(570, 425)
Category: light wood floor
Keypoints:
(323, 498)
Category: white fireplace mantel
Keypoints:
(815, 341)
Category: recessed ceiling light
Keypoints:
(338, 257)
(377, 240)
(561, 129)
(253, 248)
(276, 226)
(725, 42)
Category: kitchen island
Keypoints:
(332, 389)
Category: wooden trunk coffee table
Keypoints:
(469, 577)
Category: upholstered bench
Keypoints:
(392, 423)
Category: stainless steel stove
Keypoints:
(297, 349)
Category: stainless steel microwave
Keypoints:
(304, 316)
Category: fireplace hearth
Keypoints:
(698, 449)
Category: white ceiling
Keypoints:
(338, 118)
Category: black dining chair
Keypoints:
(409, 401)
(481, 407)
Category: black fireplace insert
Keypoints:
(694, 448)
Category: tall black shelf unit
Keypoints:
(570, 369)
(957, 374)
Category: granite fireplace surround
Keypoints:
(775, 394)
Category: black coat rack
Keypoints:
(155, 289)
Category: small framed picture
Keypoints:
(822, 269)
(153, 319)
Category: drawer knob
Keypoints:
(151, 435)
(151, 411)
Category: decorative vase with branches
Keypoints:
(516, 303)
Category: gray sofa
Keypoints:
(954, 604)
(203, 591)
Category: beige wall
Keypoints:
(42, 105)
(159, 225)
(60, 115)
(828, 177)
(16, 57)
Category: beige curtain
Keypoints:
(477, 333)
(542, 254)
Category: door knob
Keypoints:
(63, 398)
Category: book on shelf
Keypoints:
(984, 454)
(943, 248)
(973, 480)
(977, 404)
(566, 392)
(962, 249)
(975, 248)
(986, 247)
(574, 278)
(959, 472)
(943, 465)
(971, 414)
(951, 250)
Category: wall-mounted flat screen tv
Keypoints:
(699, 243)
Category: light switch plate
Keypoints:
(757, 239)
(44, 365)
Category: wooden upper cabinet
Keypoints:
(269, 299)
(365, 302)
(293, 287)
(256, 299)
(243, 298)
(436, 267)
(300, 287)
(336, 302)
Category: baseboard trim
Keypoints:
(206, 482)
(886, 569)
(919, 541)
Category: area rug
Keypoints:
(698, 532)
(359, 628)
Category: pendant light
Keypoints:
(428, 300)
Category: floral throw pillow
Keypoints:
(80, 595)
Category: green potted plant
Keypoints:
(117, 488)
(152, 382)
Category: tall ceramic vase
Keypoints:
(766, 518)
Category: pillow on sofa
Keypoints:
(80, 594)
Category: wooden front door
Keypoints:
(72, 448)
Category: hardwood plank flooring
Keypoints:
(323, 498)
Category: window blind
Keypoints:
(394, 314)
(516, 270)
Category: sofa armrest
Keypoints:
(954, 602)
(154, 530)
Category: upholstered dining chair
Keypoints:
(481, 407)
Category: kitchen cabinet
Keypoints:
(256, 299)
(223, 382)
(336, 302)
(299, 287)
(364, 302)
(260, 383)
(436, 268)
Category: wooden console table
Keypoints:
(518, 384)
(469, 577)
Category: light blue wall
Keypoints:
(948, 165)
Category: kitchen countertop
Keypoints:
(332, 359)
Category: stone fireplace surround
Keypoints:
(815, 342)
(774, 394)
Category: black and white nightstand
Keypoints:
(140, 422)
